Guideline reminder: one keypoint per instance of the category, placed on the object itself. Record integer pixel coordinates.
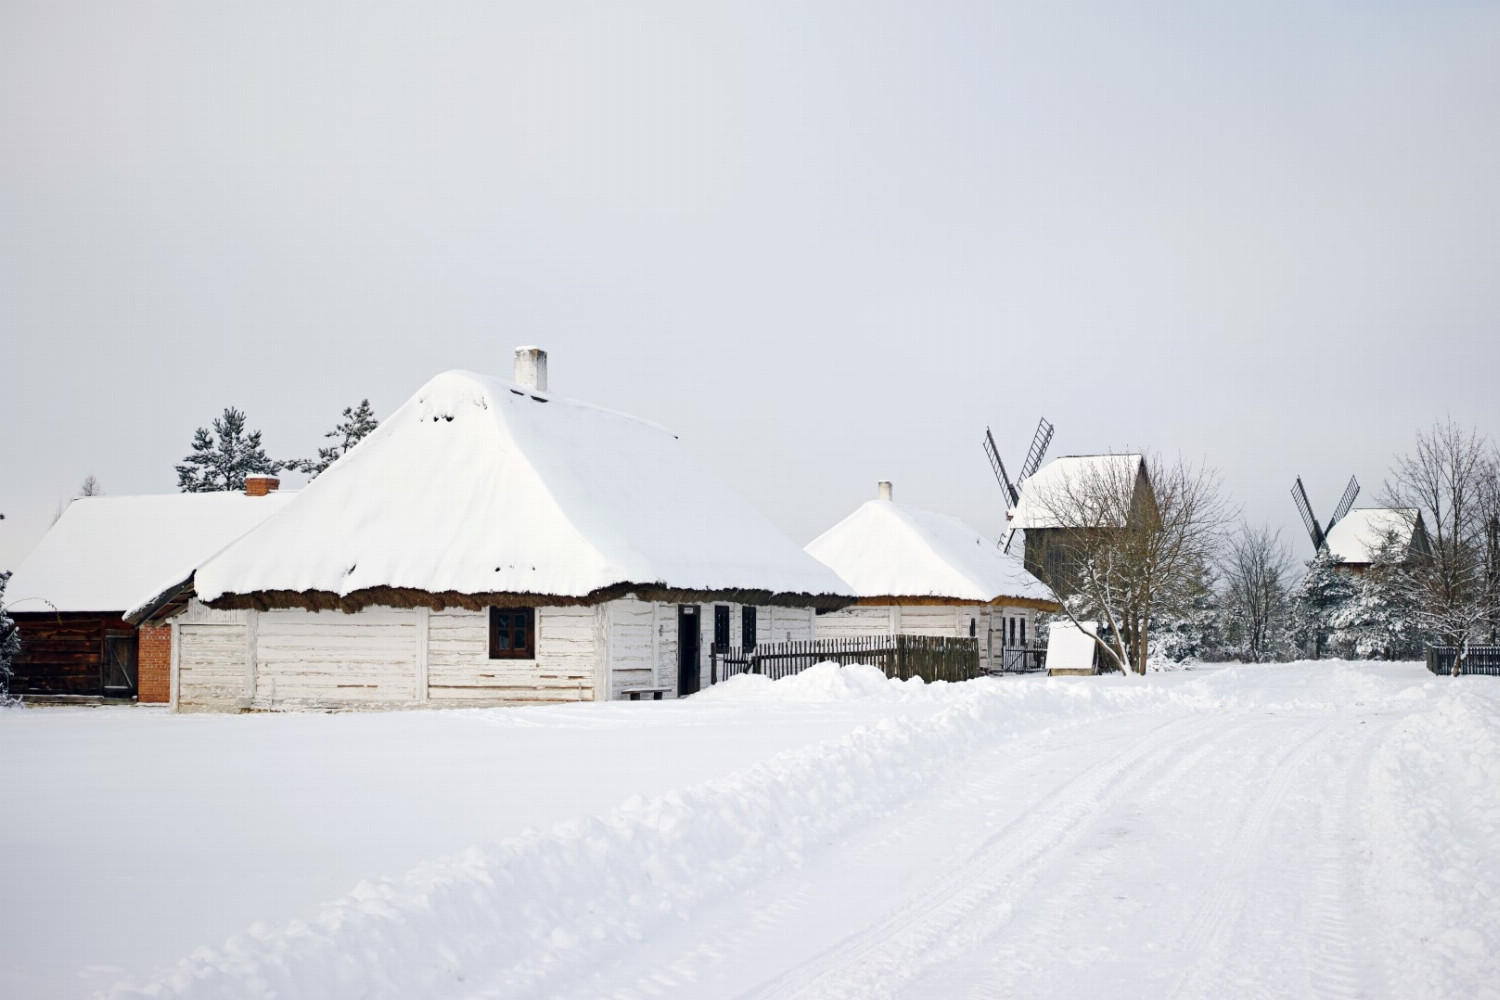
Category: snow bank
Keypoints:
(1433, 816)
(825, 682)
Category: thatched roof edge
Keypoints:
(405, 597)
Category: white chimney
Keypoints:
(531, 368)
(884, 487)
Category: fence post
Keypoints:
(713, 664)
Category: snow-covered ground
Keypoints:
(1307, 830)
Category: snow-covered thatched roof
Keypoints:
(1357, 538)
(111, 553)
(478, 489)
(1047, 492)
(886, 549)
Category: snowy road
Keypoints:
(1299, 831)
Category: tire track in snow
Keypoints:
(876, 960)
(1211, 927)
(989, 971)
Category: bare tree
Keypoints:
(1450, 477)
(91, 487)
(1131, 536)
(1256, 590)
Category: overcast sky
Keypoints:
(825, 244)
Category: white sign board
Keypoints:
(1070, 647)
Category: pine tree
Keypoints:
(222, 460)
(359, 421)
(1381, 620)
(10, 640)
(1317, 601)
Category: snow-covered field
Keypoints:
(1307, 830)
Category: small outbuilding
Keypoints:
(917, 572)
(492, 543)
(104, 556)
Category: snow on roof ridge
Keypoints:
(481, 485)
(952, 559)
(546, 396)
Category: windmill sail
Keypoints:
(1299, 496)
(1345, 503)
(1038, 450)
(1012, 495)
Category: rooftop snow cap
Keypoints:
(260, 486)
(883, 489)
(531, 368)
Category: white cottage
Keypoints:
(493, 543)
(921, 573)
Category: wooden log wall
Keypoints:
(62, 652)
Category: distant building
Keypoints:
(102, 558)
(1358, 537)
(916, 572)
(1061, 501)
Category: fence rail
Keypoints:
(932, 658)
(1481, 660)
(1021, 661)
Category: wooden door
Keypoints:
(118, 666)
(689, 637)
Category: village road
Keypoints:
(1201, 855)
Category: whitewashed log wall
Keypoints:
(405, 657)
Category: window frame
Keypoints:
(512, 651)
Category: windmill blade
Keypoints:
(1299, 496)
(1345, 502)
(1005, 539)
(1039, 443)
(1012, 496)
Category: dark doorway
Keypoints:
(689, 636)
(118, 669)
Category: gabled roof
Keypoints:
(478, 486)
(1358, 537)
(886, 549)
(1044, 491)
(111, 553)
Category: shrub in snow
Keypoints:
(10, 640)
(222, 460)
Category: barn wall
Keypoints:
(62, 652)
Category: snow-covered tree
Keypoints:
(1318, 600)
(222, 459)
(10, 639)
(358, 422)
(1451, 476)
(1382, 618)
(1193, 628)
(1256, 594)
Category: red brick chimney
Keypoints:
(259, 486)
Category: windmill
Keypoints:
(1034, 455)
(1319, 535)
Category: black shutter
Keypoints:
(747, 626)
(721, 626)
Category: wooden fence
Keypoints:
(1481, 660)
(932, 658)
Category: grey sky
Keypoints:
(825, 244)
